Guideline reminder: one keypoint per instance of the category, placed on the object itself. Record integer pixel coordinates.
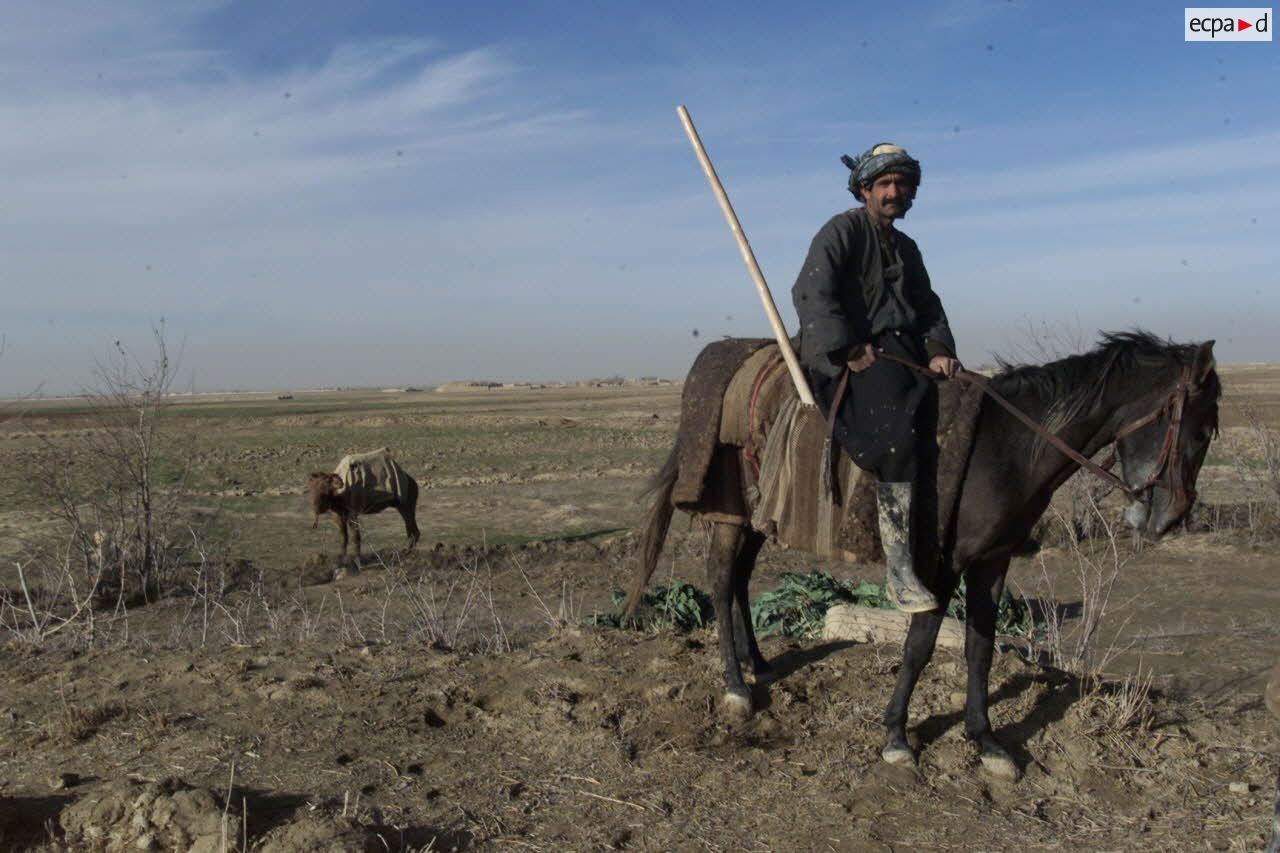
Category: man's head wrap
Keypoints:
(878, 160)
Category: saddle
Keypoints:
(766, 462)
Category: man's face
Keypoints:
(889, 196)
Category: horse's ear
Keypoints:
(1202, 363)
(335, 485)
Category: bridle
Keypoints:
(1168, 462)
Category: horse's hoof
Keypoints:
(898, 754)
(736, 705)
(1001, 767)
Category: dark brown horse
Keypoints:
(1160, 398)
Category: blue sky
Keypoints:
(378, 193)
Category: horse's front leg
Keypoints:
(721, 559)
(744, 634)
(916, 652)
(985, 585)
(340, 519)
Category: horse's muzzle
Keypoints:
(1137, 514)
(1158, 511)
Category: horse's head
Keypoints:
(1161, 454)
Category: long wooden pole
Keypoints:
(749, 258)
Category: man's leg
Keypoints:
(907, 500)
(877, 425)
(895, 503)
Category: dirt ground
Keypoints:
(452, 698)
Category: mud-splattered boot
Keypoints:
(901, 583)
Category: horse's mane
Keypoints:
(1076, 386)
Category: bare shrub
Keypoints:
(568, 611)
(1073, 517)
(1255, 461)
(1119, 706)
(1095, 563)
(461, 613)
(1071, 636)
(211, 607)
(232, 604)
(52, 596)
(117, 482)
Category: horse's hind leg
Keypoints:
(744, 635)
(922, 637)
(721, 560)
(407, 513)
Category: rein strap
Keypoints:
(1173, 406)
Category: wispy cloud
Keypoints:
(186, 145)
(151, 176)
(121, 44)
(1203, 163)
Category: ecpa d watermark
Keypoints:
(1227, 25)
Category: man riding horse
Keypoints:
(863, 290)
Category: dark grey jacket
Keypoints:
(846, 296)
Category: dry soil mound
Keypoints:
(169, 815)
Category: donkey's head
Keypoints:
(326, 492)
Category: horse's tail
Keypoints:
(656, 525)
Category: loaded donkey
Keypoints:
(365, 484)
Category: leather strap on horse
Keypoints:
(1071, 453)
(830, 459)
(1168, 457)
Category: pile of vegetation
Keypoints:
(797, 607)
(681, 606)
